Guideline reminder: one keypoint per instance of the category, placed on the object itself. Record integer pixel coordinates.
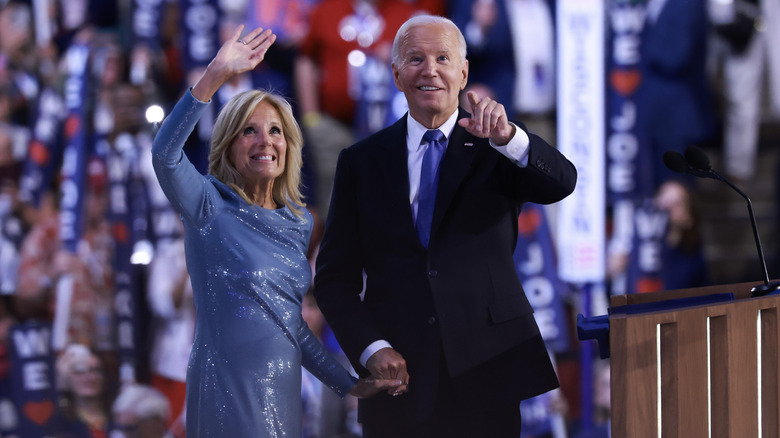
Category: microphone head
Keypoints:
(697, 158)
(675, 161)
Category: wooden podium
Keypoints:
(696, 371)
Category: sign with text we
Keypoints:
(33, 390)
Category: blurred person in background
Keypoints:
(512, 51)
(169, 294)
(674, 96)
(44, 260)
(18, 61)
(750, 66)
(325, 81)
(684, 264)
(7, 319)
(140, 411)
(86, 398)
(13, 226)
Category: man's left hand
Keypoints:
(488, 120)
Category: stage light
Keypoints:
(155, 114)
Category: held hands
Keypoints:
(370, 387)
(388, 372)
(388, 365)
(488, 120)
(237, 55)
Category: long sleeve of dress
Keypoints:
(188, 191)
(321, 363)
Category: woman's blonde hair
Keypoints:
(231, 120)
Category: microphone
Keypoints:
(696, 163)
(677, 163)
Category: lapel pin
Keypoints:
(468, 144)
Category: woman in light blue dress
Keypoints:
(246, 236)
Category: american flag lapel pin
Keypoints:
(468, 144)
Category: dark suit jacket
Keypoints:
(461, 297)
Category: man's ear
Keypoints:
(465, 72)
(396, 73)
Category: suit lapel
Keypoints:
(461, 149)
(393, 163)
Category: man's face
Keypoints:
(431, 72)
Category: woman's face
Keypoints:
(259, 151)
(673, 198)
(87, 378)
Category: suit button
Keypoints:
(433, 273)
(432, 320)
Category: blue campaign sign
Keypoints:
(146, 19)
(645, 263)
(536, 416)
(33, 388)
(127, 215)
(200, 43)
(378, 102)
(200, 25)
(77, 146)
(44, 151)
(537, 269)
(630, 169)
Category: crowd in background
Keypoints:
(342, 89)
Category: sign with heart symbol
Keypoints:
(39, 412)
(33, 390)
(625, 82)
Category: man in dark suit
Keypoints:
(443, 312)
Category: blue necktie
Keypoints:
(429, 180)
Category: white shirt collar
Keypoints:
(415, 130)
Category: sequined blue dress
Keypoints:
(249, 273)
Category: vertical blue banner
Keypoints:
(127, 216)
(200, 27)
(537, 269)
(630, 169)
(146, 17)
(581, 90)
(646, 262)
(629, 166)
(33, 386)
(200, 21)
(77, 147)
(43, 157)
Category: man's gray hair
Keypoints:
(422, 20)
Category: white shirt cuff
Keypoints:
(517, 148)
(373, 348)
